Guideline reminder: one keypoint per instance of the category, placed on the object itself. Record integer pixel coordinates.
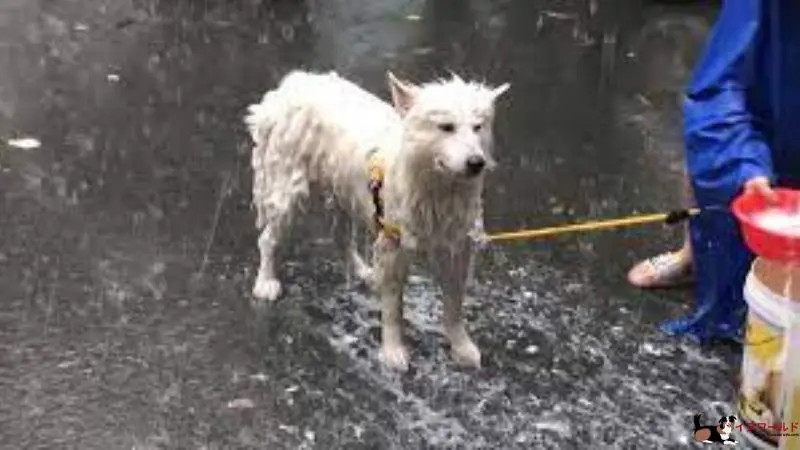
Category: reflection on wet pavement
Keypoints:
(128, 245)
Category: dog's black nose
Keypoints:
(475, 164)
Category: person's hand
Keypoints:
(760, 186)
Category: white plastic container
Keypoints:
(769, 394)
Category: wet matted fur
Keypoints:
(435, 142)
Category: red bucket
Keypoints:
(765, 242)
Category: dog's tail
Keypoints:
(262, 117)
(697, 424)
(261, 120)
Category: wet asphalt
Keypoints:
(127, 245)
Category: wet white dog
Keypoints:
(435, 145)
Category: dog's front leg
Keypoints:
(479, 242)
(478, 233)
(391, 271)
(451, 268)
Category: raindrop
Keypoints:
(559, 15)
(415, 279)
(241, 403)
(27, 143)
(158, 268)
(593, 7)
(259, 377)
(287, 31)
(288, 428)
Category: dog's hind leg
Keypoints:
(276, 210)
(451, 270)
(390, 273)
(280, 182)
(347, 235)
(267, 286)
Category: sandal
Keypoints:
(662, 271)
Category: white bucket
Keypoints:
(769, 394)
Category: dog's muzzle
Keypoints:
(475, 165)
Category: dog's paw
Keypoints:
(267, 289)
(395, 357)
(466, 354)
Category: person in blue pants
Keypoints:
(742, 133)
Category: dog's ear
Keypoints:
(499, 90)
(403, 93)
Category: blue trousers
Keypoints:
(721, 264)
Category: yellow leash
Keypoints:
(376, 176)
(668, 218)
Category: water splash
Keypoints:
(555, 376)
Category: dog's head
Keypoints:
(725, 425)
(449, 123)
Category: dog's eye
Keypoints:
(447, 127)
(477, 127)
